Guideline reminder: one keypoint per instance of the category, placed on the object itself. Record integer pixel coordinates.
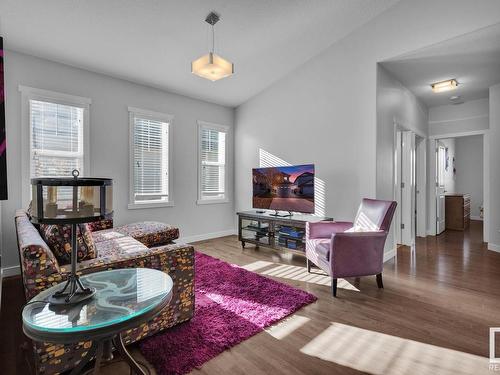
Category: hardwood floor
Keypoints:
(446, 294)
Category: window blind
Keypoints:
(56, 139)
(150, 158)
(213, 163)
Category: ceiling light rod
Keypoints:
(212, 19)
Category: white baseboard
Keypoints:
(10, 271)
(389, 255)
(493, 247)
(476, 218)
(206, 236)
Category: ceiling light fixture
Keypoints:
(442, 86)
(212, 66)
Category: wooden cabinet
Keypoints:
(457, 211)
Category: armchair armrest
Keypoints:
(324, 229)
(357, 253)
(40, 270)
(39, 267)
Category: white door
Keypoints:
(440, 190)
(398, 187)
(421, 187)
(408, 188)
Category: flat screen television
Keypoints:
(289, 188)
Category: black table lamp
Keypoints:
(71, 201)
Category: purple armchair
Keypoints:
(345, 249)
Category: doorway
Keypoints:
(461, 165)
(441, 169)
(410, 183)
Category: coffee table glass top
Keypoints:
(121, 295)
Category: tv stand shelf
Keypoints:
(275, 232)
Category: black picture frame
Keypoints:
(3, 141)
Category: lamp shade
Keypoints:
(71, 200)
(212, 67)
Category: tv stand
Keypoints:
(285, 233)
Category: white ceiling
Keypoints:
(153, 41)
(473, 59)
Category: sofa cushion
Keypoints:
(149, 233)
(106, 235)
(359, 228)
(125, 251)
(118, 247)
(58, 237)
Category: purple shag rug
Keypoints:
(232, 304)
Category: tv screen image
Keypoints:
(289, 188)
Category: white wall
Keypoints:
(469, 164)
(109, 144)
(449, 176)
(324, 112)
(494, 173)
(396, 106)
(452, 118)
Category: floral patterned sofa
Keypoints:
(146, 244)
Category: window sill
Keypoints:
(212, 201)
(138, 206)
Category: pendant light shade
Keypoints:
(211, 66)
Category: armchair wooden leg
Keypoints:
(379, 281)
(334, 287)
(308, 263)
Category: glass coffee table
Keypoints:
(124, 299)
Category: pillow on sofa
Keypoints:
(29, 210)
(95, 226)
(58, 237)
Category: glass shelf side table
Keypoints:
(125, 298)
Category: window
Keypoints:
(149, 159)
(54, 134)
(56, 139)
(212, 163)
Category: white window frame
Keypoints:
(221, 128)
(158, 116)
(31, 93)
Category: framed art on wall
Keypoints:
(3, 142)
